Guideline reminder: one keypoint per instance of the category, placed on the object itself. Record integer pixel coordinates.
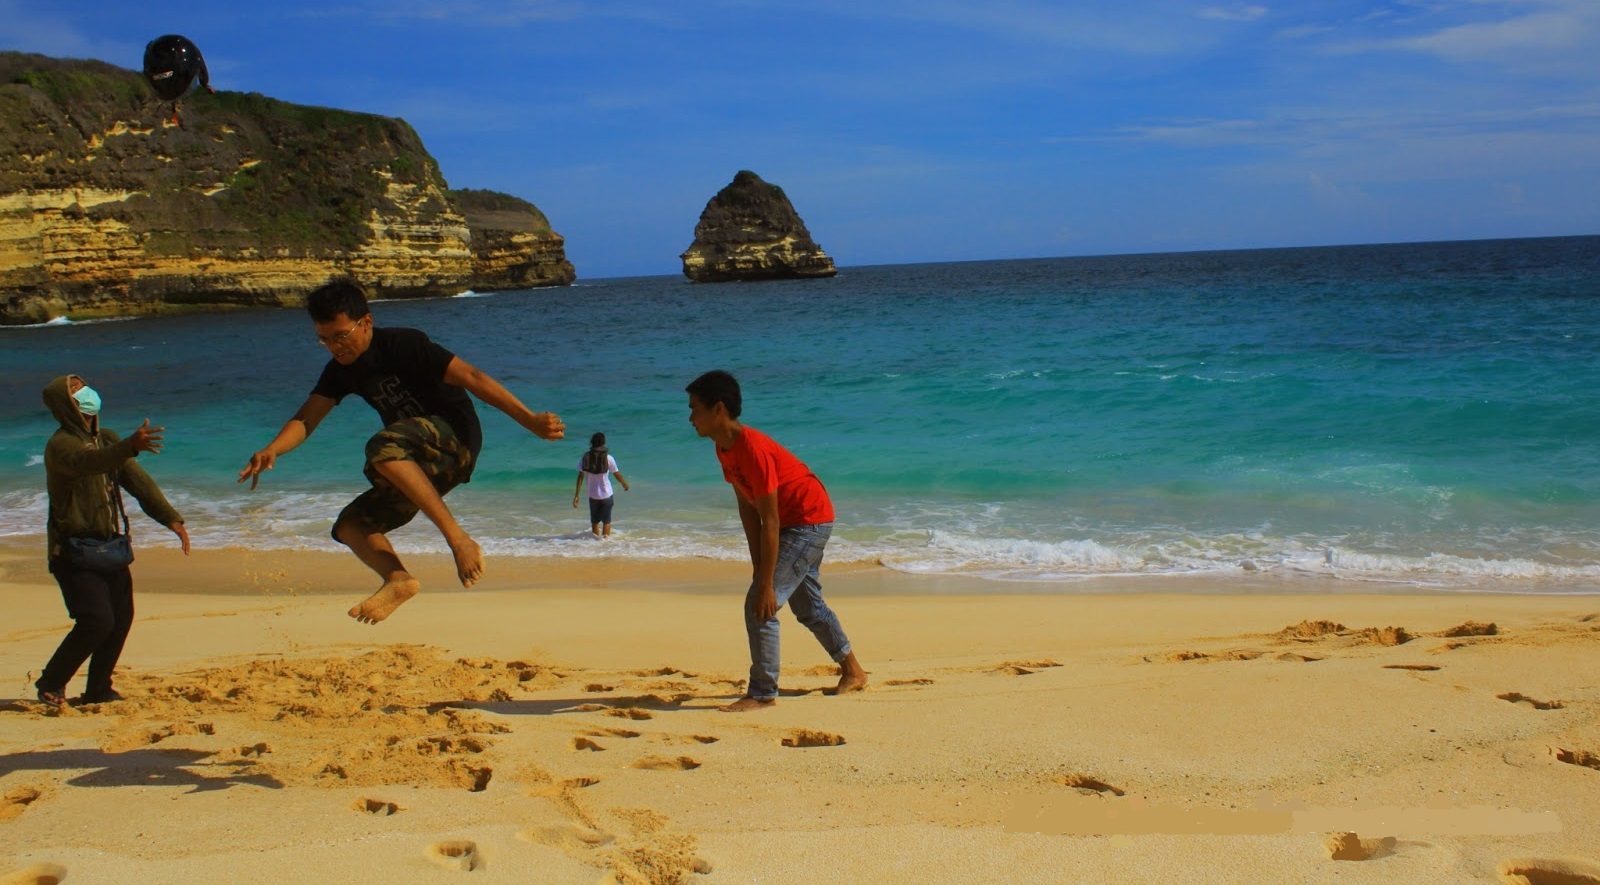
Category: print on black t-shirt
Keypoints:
(402, 376)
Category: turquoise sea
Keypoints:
(1423, 414)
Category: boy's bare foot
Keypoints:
(389, 597)
(746, 704)
(852, 676)
(469, 560)
(849, 682)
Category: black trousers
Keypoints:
(101, 607)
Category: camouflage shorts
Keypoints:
(430, 443)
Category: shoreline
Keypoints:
(244, 572)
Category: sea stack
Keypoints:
(750, 231)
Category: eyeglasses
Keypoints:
(339, 338)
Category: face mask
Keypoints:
(88, 401)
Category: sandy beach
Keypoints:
(558, 723)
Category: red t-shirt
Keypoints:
(756, 466)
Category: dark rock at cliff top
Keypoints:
(750, 231)
(109, 208)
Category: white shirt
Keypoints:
(599, 484)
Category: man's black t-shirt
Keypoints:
(402, 376)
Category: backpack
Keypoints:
(596, 461)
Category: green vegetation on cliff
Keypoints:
(242, 169)
(110, 204)
(492, 209)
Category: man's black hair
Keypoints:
(340, 296)
(717, 386)
(597, 441)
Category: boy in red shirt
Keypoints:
(787, 519)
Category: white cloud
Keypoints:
(1301, 32)
(1559, 30)
(1515, 33)
(1234, 13)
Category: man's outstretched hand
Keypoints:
(548, 425)
(147, 438)
(260, 463)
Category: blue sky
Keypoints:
(936, 130)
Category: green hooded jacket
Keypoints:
(79, 465)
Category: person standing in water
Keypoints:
(86, 467)
(594, 470)
(429, 443)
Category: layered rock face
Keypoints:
(108, 208)
(513, 246)
(750, 231)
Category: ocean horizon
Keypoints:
(1417, 415)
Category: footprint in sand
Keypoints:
(1385, 636)
(135, 740)
(17, 800)
(664, 671)
(1421, 667)
(38, 874)
(1024, 668)
(456, 854)
(1549, 871)
(376, 807)
(567, 837)
(178, 728)
(1178, 657)
(684, 739)
(1296, 657)
(1349, 846)
(665, 763)
(612, 732)
(583, 743)
(563, 789)
(440, 745)
(805, 737)
(917, 681)
(257, 750)
(1576, 757)
(1471, 628)
(1086, 784)
(630, 713)
(1517, 697)
(599, 687)
(474, 779)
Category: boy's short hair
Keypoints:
(717, 386)
(345, 296)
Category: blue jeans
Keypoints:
(796, 584)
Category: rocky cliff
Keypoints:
(108, 208)
(750, 231)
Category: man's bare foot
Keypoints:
(746, 704)
(389, 597)
(469, 560)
